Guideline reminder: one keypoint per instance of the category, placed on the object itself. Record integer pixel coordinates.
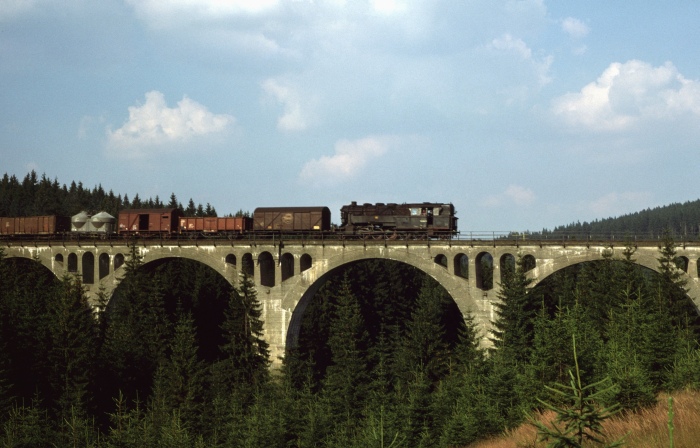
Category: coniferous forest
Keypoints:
(176, 358)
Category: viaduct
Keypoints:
(288, 273)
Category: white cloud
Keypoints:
(294, 118)
(514, 194)
(349, 159)
(389, 7)
(157, 10)
(516, 46)
(153, 124)
(627, 93)
(507, 43)
(574, 27)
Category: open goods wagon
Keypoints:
(215, 226)
(34, 225)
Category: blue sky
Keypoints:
(525, 114)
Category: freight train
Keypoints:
(404, 221)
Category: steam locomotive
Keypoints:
(412, 220)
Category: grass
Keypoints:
(647, 428)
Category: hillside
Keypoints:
(683, 220)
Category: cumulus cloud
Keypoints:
(627, 93)
(154, 124)
(294, 118)
(349, 159)
(574, 27)
(514, 194)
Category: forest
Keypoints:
(177, 358)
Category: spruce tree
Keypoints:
(180, 378)
(5, 382)
(581, 419)
(515, 314)
(641, 345)
(425, 347)
(346, 379)
(74, 331)
(671, 286)
(245, 352)
(136, 332)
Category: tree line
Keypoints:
(38, 196)
(682, 220)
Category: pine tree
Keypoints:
(173, 201)
(26, 289)
(74, 343)
(246, 353)
(642, 344)
(425, 346)
(180, 378)
(515, 314)
(671, 285)
(6, 397)
(136, 332)
(582, 418)
(346, 378)
(191, 209)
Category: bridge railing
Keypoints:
(498, 237)
(574, 237)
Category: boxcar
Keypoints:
(34, 225)
(292, 219)
(153, 222)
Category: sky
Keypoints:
(525, 114)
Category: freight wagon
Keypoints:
(34, 225)
(212, 226)
(161, 222)
(292, 219)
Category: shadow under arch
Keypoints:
(21, 264)
(645, 262)
(173, 279)
(299, 311)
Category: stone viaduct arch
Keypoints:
(287, 273)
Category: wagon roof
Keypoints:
(290, 209)
(149, 210)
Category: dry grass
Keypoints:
(647, 428)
